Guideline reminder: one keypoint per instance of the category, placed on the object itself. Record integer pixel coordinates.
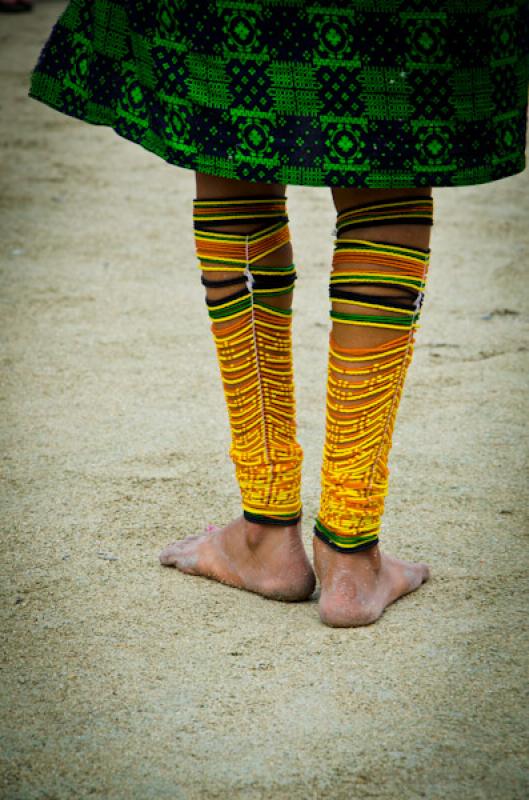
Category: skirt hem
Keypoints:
(213, 166)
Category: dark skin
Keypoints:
(355, 587)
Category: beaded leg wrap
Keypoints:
(364, 385)
(253, 341)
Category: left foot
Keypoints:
(267, 559)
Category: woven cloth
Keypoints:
(368, 93)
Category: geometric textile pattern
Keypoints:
(370, 93)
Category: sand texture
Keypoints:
(122, 679)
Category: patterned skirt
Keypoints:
(364, 93)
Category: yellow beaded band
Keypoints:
(253, 342)
(364, 385)
(358, 439)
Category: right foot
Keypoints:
(267, 559)
(357, 587)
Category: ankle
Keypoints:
(364, 560)
(258, 534)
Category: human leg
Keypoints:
(243, 245)
(377, 283)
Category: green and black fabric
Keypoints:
(368, 93)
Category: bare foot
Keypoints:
(267, 559)
(357, 587)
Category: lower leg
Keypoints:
(376, 292)
(261, 550)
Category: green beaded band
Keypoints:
(345, 544)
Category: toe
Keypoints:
(425, 570)
(183, 555)
(176, 550)
(169, 553)
(413, 576)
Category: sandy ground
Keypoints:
(122, 679)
